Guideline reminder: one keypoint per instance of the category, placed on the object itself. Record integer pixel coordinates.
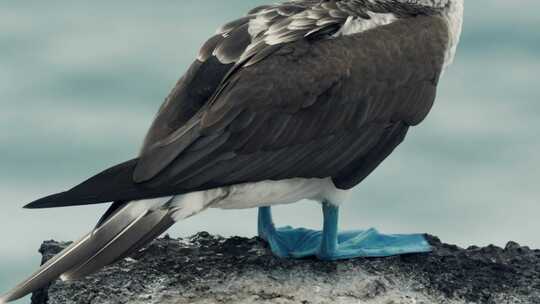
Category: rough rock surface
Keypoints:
(211, 269)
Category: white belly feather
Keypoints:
(251, 195)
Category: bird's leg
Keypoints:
(363, 243)
(287, 241)
(265, 224)
(329, 241)
(330, 244)
(279, 240)
(335, 245)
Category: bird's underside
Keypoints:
(304, 90)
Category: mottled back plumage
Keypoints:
(264, 31)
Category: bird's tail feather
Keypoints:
(120, 245)
(128, 229)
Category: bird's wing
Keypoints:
(233, 45)
(237, 44)
(252, 38)
(307, 110)
(245, 42)
(313, 106)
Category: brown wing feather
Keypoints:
(322, 104)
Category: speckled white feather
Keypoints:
(258, 25)
(454, 17)
(358, 25)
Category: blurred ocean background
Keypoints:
(80, 82)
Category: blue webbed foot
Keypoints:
(331, 245)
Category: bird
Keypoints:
(301, 99)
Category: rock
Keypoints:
(512, 246)
(211, 269)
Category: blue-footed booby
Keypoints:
(298, 100)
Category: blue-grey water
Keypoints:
(80, 82)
